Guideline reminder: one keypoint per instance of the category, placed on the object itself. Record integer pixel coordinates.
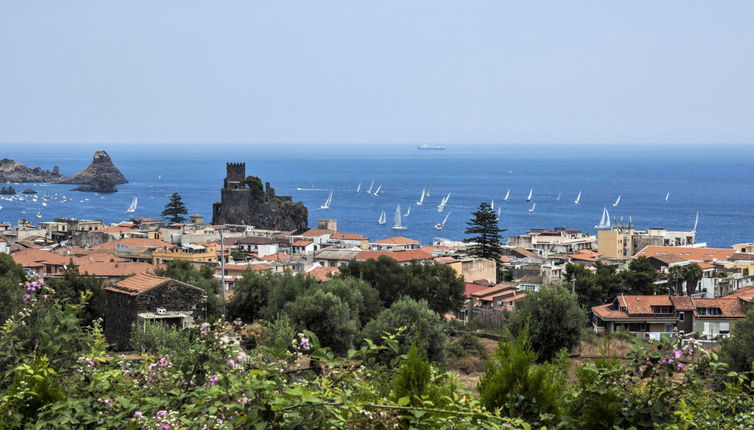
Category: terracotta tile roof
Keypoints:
(302, 243)
(35, 257)
(245, 267)
(641, 307)
(521, 252)
(399, 256)
(731, 307)
(348, 236)
(396, 240)
(697, 254)
(446, 260)
(682, 303)
(135, 242)
(472, 288)
(114, 269)
(138, 284)
(323, 274)
(280, 256)
(315, 232)
(490, 291)
(746, 293)
(531, 279)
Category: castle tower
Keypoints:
(235, 174)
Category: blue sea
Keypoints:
(715, 180)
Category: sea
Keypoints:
(714, 180)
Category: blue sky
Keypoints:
(417, 71)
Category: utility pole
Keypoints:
(222, 262)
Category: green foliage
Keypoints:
(514, 384)
(279, 334)
(253, 183)
(73, 284)
(554, 320)
(486, 239)
(434, 282)
(11, 277)
(738, 349)
(204, 278)
(593, 288)
(640, 277)
(325, 314)
(262, 295)
(158, 338)
(423, 327)
(466, 353)
(692, 273)
(597, 399)
(174, 210)
(238, 255)
(413, 378)
(34, 386)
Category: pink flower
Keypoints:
(27, 297)
(680, 366)
(213, 380)
(165, 426)
(138, 414)
(161, 414)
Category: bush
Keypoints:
(325, 314)
(423, 326)
(278, 334)
(158, 338)
(738, 349)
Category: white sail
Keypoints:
(369, 191)
(408, 212)
(696, 222)
(667, 196)
(492, 204)
(132, 207)
(507, 194)
(358, 188)
(578, 198)
(498, 213)
(377, 191)
(533, 205)
(604, 220)
(326, 204)
(429, 190)
(441, 206)
(421, 198)
(528, 198)
(39, 215)
(617, 201)
(397, 223)
(441, 225)
(382, 219)
(558, 197)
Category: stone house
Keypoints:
(142, 298)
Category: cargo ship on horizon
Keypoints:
(430, 147)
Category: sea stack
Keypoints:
(100, 176)
(245, 201)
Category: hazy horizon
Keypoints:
(488, 72)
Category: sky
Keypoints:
(419, 71)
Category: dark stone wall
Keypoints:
(263, 210)
(119, 314)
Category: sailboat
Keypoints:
(441, 206)
(132, 207)
(429, 190)
(498, 213)
(377, 191)
(441, 225)
(369, 191)
(397, 223)
(507, 194)
(528, 199)
(39, 215)
(667, 196)
(326, 204)
(382, 219)
(492, 204)
(578, 198)
(408, 212)
(558, 197)
(421, 198)
(358, 188)
(616, 201)
(696, 222)
(605, 220)
(533, 205)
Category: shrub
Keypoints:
(158, 338)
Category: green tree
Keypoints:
(383, 273)
(363, 300)
(11, 277)
(692, 273)
(593, 288)
(738, 349)
(486, 239)
(73, 284)
(325, 314)
(423, 327)
(250, 295)
(675, 279)
(203, 278)
(175, 210)
(254, 183)
(283, 289)
(514, 384)
(640, 277)
(553, 319)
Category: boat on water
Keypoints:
(507, 194)
(696, 222)
(38, 215)
(578, 198)
(441, 225)
(492, 204)
(441, 206)
(397, 222)
(369, 191)
(408, 212)
(382, 219)
(605, 220)
(497, 216)
(533, 206)
(558, 197)
(307, 189)
(528, 198)
(667, 196)
(421, 198)
(358, 188)
(326, 204)
(430, 148)
(429, 190)
(377, 191)
(132, 207)
(617, 201)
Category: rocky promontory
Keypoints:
(13, 171)
(97, 186)
(102, 173)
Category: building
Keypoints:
(192, 252)
(395, 243)
(472, 269)
(557, 241)
(261, 246)
(651, 316)
(402, 257)
(146, 298)
(625, 241)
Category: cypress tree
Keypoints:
(174, 210)
(486, 242)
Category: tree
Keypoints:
(593, 288)
(514, 384)
(329, 317)
(486, 240)
(11, 277)
(363, 300)
(174, 210)
(675, 277)
(73, 284)
(423, 327)
(383, 273)
(640, 277)
(250, 296)
(553, 320)
(738, 349)
(692, 273)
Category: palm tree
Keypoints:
(692, 273)
(676, 274)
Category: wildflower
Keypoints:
(220, 421)
(138, 414)
(27, 297)
(165, 426)
(244, 399)
(163, 362)
(679, 366)
(677, 353)
(161, 414)
(204, 329)
(213, 380)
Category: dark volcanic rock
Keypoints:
(98, 186)
(246, 202)
(7, 190)
(29, 191)
(13, 171)
(102, 170)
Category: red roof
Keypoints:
(323, 274)
(399, 256)
(134, 242)
(472, 289)
(687, 254)
(348, 236)
(397, 240)
(302, 243)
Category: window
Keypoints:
(709, 311)
(662, 309)
(681, 315)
